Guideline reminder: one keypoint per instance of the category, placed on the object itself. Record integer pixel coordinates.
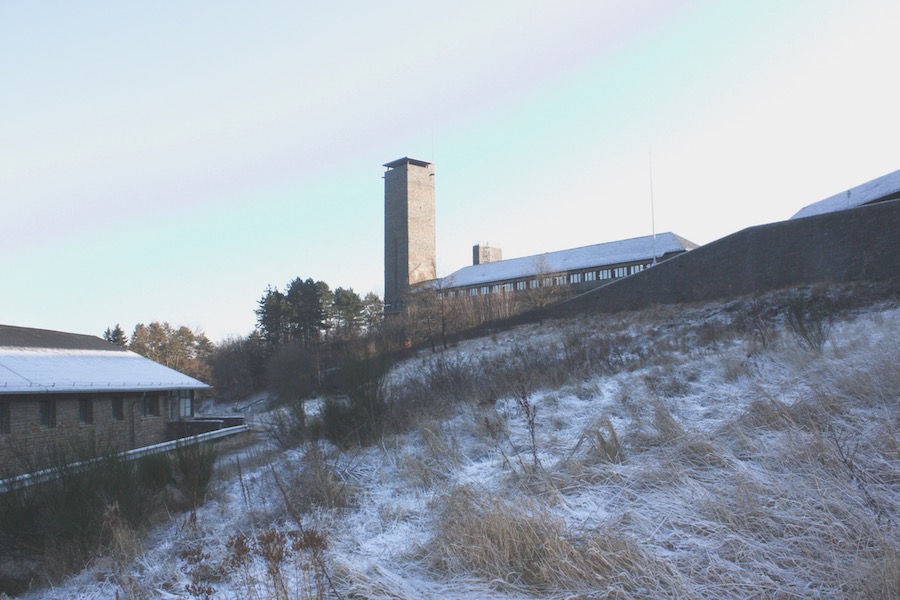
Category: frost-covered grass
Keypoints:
(685, 452)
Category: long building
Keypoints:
(581, 268)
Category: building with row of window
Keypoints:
(81, 391)
(410, 257)
(579, 268)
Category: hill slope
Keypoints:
(714, 451)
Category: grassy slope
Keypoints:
(701, 451)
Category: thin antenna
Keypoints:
(652, 210)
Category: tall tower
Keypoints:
(409, 238)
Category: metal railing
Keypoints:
(28, 479)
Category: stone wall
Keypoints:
(28, 441)
(409, 228)
(852, 245)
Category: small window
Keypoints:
(590, 276)
(485, 290)
(4, 418)
(636, 269)
(534, 283)
(561, 280)
(118, 409)
(86, 411)
(520, 285)
(575, 278)
(151, 405)
(473, 291)
(604, 274)
(621, 271)
(48, 414)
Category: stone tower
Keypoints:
(409, 230)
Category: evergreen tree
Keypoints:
(308, 313)
(272, 318)
(373, 313)
(116, 336)
(347, 313)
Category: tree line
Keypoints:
(308, 312)
(295, 341)
(307, 330)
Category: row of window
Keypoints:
(180, 406)
(571, 278)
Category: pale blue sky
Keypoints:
(167, 161)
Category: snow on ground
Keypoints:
(734, 478)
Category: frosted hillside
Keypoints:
(706, 451)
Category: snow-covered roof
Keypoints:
(886, 187)
(586, 257)
(35, 361)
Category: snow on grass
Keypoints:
(695, 451)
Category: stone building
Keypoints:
(409, 229)
(578, 268)
(64, 390)
(410, 256)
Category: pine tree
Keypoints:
(116, 336)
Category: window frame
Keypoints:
(118, 409)
(48, 414)
(85, 411)
(5, 418)
(150, 406)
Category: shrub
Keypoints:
(810, 319)
(195, 464)
(360, 416)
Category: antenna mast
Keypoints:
(652, 211)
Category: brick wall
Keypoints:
(28, 441)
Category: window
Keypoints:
(590, 276)
(4, 418)
(547, 281)
(185, 404)
(86, 411)
(473, 291)
(151, 405)
(604, 274)
(621, 271)
(636, 269)
(507, 287)
(575, 278)
(484, 290)
(561, 280)
(520, 285)
(48, 414)
(118, 409)
(534, 283)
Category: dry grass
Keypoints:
(318, 483)
(523, 546)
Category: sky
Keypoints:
(168, 161)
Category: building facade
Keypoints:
(580, 269)
(63, 392)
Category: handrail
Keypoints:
(28, 479)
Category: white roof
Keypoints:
(878, 189)
(42, 370)
(586, 257)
